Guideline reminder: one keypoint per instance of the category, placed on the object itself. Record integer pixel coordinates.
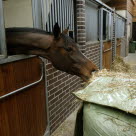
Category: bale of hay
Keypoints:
(119, 65)
(109, 104)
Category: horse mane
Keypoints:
(26, 29)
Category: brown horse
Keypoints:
(58, 47)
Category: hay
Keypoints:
(118, 69)
(119, 65)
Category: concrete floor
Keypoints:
(131, 59)
(67, 128)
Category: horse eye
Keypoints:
(69, 49)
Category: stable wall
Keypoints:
(60, 85)
(18, 13)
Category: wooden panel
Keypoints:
(118, 48)
(134, 13)
(118, 4)
(130, 6)
(22, 114)
(107, 55)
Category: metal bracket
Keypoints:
(25, 87)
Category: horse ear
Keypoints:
(56, 30)
(66, 30)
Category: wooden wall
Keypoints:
(118, 4)
(134, 13)
(130, 5)
(123, 5)
(107, 55)
(22, 114)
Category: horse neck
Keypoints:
(28, 43)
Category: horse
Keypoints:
(57, 47)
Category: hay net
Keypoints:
(113, 89)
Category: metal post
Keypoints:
(3, 50)
(101, 37)
(36, 11)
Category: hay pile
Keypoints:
(119, 65)
(118, 68)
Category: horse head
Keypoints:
(58, 47)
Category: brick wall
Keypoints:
(60, 84)
(93, 52)
(81, 30)
(61, 102)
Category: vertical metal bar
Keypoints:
(36, 11)
(53, 20)
(101, 37)
(3, 49)
(110, 23)
(47, 131)
(50, 13)
(63, 19)
(115, 35)
(72, 16)
(47, 15)
(55, 11)
(67, 23)
(60, 10)
(69, 8)
(43, 14)
(65, 13)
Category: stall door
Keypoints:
(107, 55)
(23, 113)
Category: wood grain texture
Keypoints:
(134, 13)
(118, 4)
(130, 6)
(107, 55)
(22, 114)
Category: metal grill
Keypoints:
(120, 27)
(60, 11)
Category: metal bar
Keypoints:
(50, 15)
(53, 22)
(36, 11)
(72, 16)
(47, 132)
(55, 8)
(2, 33)
(61, 16)
(101, 37)
(115, 17)
(47, 15)
(58, 12)
(65, 15)
(43, 15)
(101, 3)
(25, 87)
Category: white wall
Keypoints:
(123, 13)
(18, 13)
